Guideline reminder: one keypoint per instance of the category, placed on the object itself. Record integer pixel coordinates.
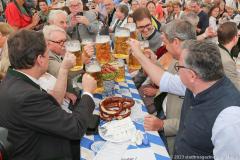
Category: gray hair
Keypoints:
(199, 2)
(49, 29)
(204, 58)
(54, 13)
(180, 29)
(191, 17)
(69, 1)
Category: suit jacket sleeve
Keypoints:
(171, 126)
(41, 113)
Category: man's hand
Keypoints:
(151, 55)
(35, 19)
(209, 32)
(88, 52)
(135, 47)
(150, 91)
(69, 61)
(82, 20)
(152, 123)
(71, 97)
(89, 83)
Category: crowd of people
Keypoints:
(189, 79)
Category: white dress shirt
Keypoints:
(226, 129)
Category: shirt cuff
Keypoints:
(164, 81)
(87, 93)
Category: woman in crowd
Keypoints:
(19, 16)
(177, 10)
(213, 22)
(151, 6)
(121, 17)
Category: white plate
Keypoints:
(97, 146)
(118, 130)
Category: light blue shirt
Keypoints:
(226, 129)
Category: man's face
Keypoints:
(195, 7)
(108, 5)
(76, 6)
(184, 73)
(143, 3)
(56, 43)
(135, 5)
(61, 21)
(145, 27)
(43, 6)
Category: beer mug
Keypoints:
(83, 44)
(132, 29)
(133, 63)
(121, 48)
(74, 47)
(94, 69)
(121, 71)
(103, 49)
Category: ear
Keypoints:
(40, 60)
(193, 76)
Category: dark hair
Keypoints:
(140, 14)
(150, 2)
(124, 9)
(24, 47)
(226, 32)
(204, 58)
(212, 8)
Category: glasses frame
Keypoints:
(143, 27)
(178, 67)
(62, 42)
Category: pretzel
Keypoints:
(115, 108)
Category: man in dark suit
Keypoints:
(38, 128)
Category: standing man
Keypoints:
(203, 17)
(228, 37)
(37, 126)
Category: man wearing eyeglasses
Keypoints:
(209, 124)
(82, 24)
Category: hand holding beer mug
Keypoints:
(135, 47)
(87, 50)
(121, 48)
(94, 69)
(69, 61)
(74, 47)
(103, 49)
(89, 83)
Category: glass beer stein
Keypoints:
(103, 49)
(132, 29)
(74, 47)
(94, 69)
(121, 48)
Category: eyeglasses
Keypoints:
(76, 5)
(61, 42)
(178, 67)
(143, 27)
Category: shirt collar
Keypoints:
(30, 77)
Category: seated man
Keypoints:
(38, 127)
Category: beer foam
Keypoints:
(122, 33)
(131, 27)
(102, 39)
(73, 48)
(93, 68)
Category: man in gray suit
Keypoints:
(228, 38)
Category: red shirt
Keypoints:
(15, 17)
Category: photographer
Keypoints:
(82, 24)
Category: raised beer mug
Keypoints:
(94, 69)
(74, 47)
(132, 28)
(103, 49)
(83, 44)
(121, 48)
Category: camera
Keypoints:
(79, 14)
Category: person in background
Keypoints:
(203, 17)
(134, 5)
(213, 14)
(19, 16)
(5, 30)
(82, 24)
(121, 15)
(177, 10)
(48, 136)
(58, 18)
(44, 11)
(227, 34)
(151, 6)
